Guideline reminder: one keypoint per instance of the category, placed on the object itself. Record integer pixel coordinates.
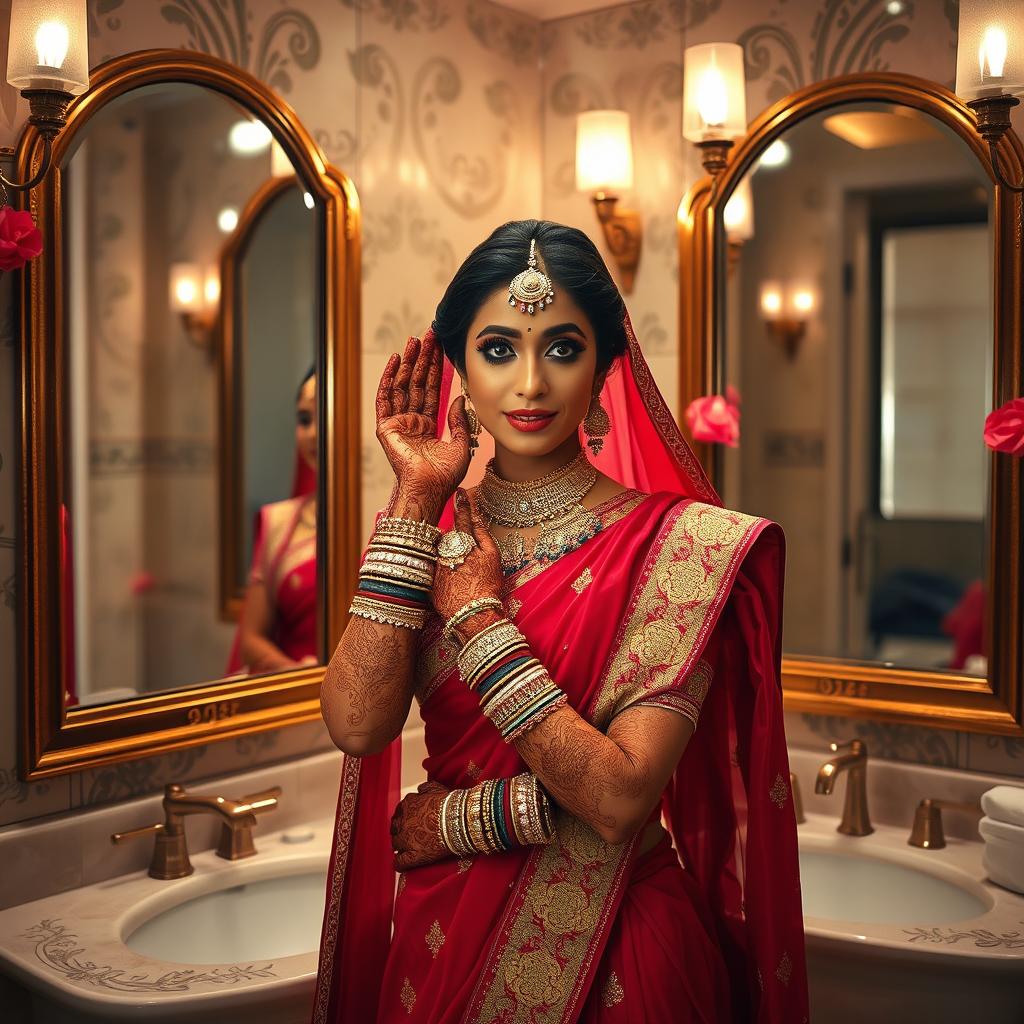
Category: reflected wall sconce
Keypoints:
(604, 165)
(786, 312)
(195, 297)
(714, 101)
(48, 60)
(738, 219)
(990, 69)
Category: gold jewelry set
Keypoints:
(397, 574)
(532, 290)
(554, 502)
(495, 815)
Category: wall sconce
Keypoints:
(48, 60)
(738, 220)
(714, 100)
(604, 164)
(786, 312)
(195, 297)
(990, 68)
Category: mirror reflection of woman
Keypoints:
(595, 647)
(278, 625)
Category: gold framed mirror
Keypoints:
(130, 419)
(869, 315)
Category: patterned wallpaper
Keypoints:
(452, 116)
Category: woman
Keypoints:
(277, 629)
(598, 608)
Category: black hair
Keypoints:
(311, 372)
(569, 258)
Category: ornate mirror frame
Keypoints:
(834, 686)
(54, 739)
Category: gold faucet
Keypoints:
(238, 817)
(855, 820)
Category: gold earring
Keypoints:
(474, 423)
(597, 425)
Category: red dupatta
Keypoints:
(728, 804)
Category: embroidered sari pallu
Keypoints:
(530, 935)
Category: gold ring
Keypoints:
(453, 548)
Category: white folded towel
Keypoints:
(1004, 803)
(1003, 854)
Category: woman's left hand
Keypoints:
(414, 835)
(480, 574)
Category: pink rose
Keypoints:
(20, 240)
(714, 419)
(1004, 428)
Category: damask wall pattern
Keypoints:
(452, 116)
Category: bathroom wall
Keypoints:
(452, 116)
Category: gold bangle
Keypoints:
(415, 529)
(468, 610)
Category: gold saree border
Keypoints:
(555, 924)
(336, 885)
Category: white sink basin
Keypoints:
(262, 920)
(844, 887)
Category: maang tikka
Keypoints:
(531, 289)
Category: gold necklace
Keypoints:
(553, 500)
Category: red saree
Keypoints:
(675, 602)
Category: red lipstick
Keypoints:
(530, 420)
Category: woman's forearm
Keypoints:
(368, 687)
(261, 654)
(607, 782)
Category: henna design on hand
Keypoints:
(427, 468)
(479, 575)
(414, 828)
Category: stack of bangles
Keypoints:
(495, 815)
(397, 574)
(515, 689)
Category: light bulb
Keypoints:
(186, 291)
(776, 155)
(771, 301)
(211, 288)
(52, 40)
(712, 97)
(992, 52)
(227, 219)
(803, 300)
(248, 137)
(308, 200)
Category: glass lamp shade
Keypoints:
(49, 46)
(738, 214)
(187, 288)
(714, 92)
(604, 153)
(990, 49)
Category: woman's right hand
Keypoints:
(428, 469)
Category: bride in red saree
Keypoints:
(669, 613)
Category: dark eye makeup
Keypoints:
(498, 350)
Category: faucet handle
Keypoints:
(137, 833)
(236, 836)
(926, 832)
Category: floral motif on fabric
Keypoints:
(513, 607)
(779, 791)
(473, 770)
(401, 885)
(583, 581)
(613, 992)
(435, 938)
(408, 996)
(785, 969)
